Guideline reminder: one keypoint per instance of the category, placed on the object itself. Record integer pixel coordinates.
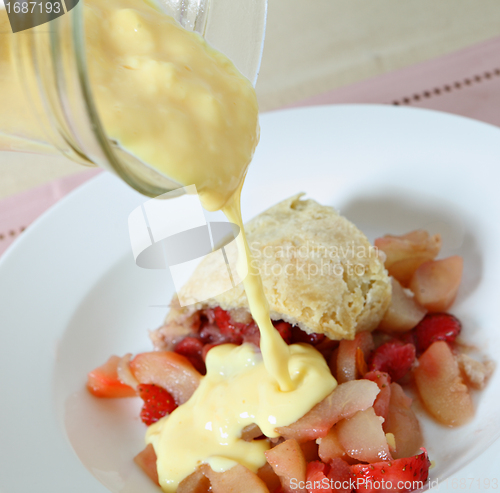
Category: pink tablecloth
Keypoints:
(465, 83)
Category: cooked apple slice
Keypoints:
(169, 370)
(310, 450)
(345, 401)
(383, 381)
(238, 479)
(405, 253)
(363, 438)
(346, 356)
(436, 283)
(403, 313)
(250, 432)
(146, 460)
(402, 423)
(288, 462)
(104, 381)
(440, 386)
(196, 482)
(330, 447)
(270, 478)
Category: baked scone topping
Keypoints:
(319, 272)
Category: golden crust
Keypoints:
(319, 272)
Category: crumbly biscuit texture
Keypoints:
(318, 270)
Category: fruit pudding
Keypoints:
(382, 330)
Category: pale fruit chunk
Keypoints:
(238, 479)
(440, 386)
(250, 432)
(403, 424)
(363, 438)
(124, 373)
(346, 356)
(383, 381)
(330, 447)
(194, 483)
(403, 313)
(168, 370)
(310, 450)
(289, 463)
(476, 372)
(436, 283)
(270, 478)
(105, 382)
(405, 253)
(146, 460)
(345, 401)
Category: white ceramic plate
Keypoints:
(71, 295)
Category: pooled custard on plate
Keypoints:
(236, 392)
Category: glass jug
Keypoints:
(46, 102)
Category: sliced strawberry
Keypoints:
(191, 348)
(285, 330)
(157, 403)
(398, 476)
(316, 478)
(298, 336)
(210, 334)
(394, 358)
(340, 476)
(228, 328)
(104, 381)
(436, 327)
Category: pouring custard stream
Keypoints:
(185, 110)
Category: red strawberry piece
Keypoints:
(436, 327)
(393, 357)
(298, 336)
(408, 337)
(228, 328)
(191, 348)
(210, 334)
(285, 330)
(340, 476)
(316, 477)
(398, 476)
(157, 403)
